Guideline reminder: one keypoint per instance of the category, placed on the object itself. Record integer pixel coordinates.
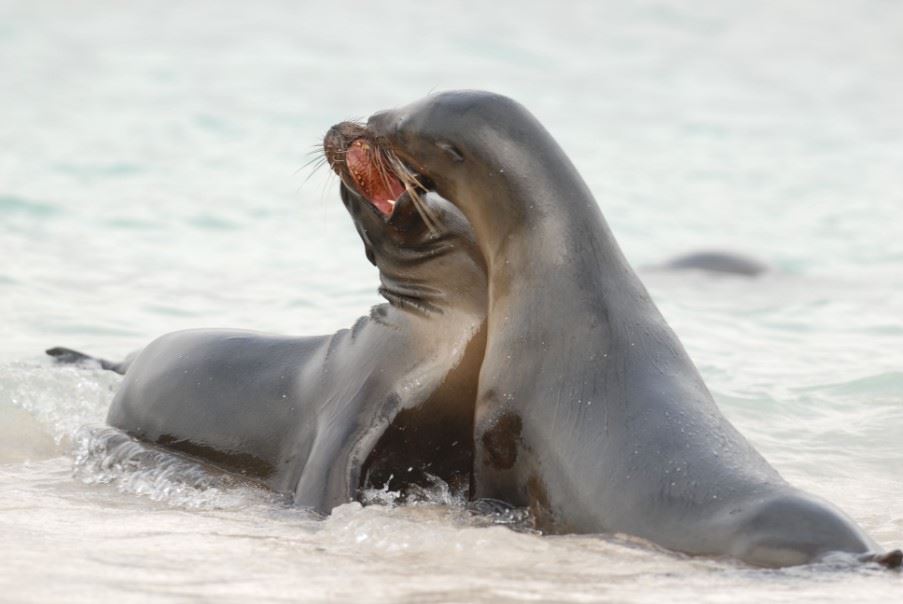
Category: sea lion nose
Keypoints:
(333, 143)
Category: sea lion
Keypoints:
(717, 263)
(589, 410)
(389, 401)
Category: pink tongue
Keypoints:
(380, 189)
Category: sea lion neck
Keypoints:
(533, 214)
(422, 271)
(430, 280)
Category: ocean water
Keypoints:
(152, 178)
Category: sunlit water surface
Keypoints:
(151, 179)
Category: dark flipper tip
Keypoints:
(891, 559)
(67, 355)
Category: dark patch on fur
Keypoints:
(502, 441)
(434, 439)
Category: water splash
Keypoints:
(106, 456)
(61, 399)
(437, 492)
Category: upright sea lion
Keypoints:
(389, 400)
(589, 410)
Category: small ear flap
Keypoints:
(451, 151)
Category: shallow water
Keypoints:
(151, 179)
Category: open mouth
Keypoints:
(365, 167)
(376, 173)
(375, 180)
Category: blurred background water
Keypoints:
(152, 178)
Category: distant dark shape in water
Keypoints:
(717, 263)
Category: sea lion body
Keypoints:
(589, 410)
(311, 416)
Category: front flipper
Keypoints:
(332, 472)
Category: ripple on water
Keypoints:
(889, 383)
(10, 204)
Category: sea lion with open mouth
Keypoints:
(387, 402)
(589, 410)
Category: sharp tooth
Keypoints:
(392, 202)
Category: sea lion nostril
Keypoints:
(333, 145)
(333, 135)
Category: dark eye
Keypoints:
(451, 151)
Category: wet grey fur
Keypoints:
(589, 409)
(303, 414)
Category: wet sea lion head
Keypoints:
(422, 245)
(443, 136)
(485, 153)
